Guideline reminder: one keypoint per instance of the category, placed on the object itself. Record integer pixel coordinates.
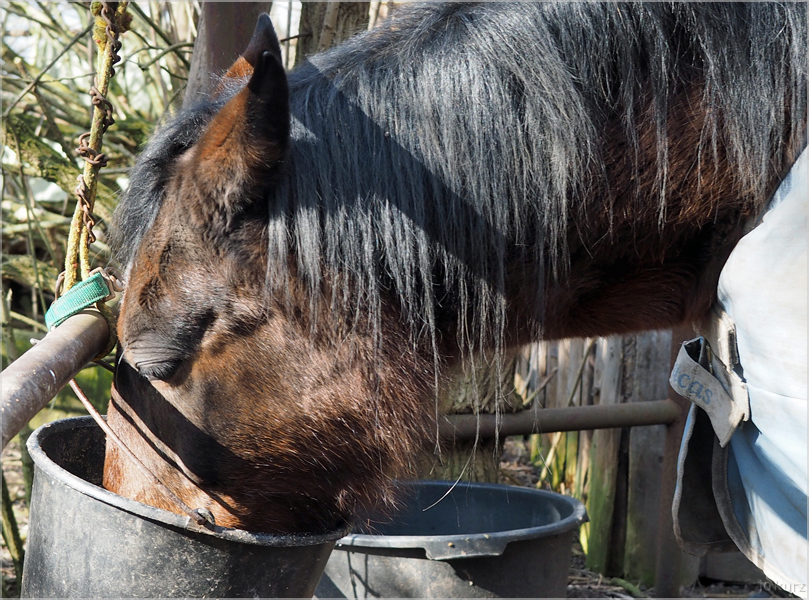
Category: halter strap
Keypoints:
(200, 516)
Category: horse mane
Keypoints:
(424, 150)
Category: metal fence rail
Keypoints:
(31, 381)
(551, 420)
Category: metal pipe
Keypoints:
(548, 420)
(29, 383)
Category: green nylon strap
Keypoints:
(82, 295)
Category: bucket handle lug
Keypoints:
(468, 548)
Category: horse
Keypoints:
(307, 254)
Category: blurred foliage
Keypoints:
(48, 64)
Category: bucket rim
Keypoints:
(444, 547)
(45, 464)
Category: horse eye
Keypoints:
(160, 368)
(158, 353)
(161, 371)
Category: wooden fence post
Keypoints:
(597, 534)
(647, 369)
(626, 474)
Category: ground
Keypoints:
(12, 471)
(516, 470)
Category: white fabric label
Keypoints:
(696, 383)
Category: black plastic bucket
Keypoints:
(470, 540)
(84, 541)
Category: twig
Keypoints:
(29, 216)
(29, 208)
(11, 533)
(75, 39)
(5, 318)
(174, 96)
(295, 37)
(144, 66)
(23, 227)
(51, 86)
(172, 73)
(57, 26)
(27, 320)
(21, 80)
(57, 133)
(540, 387)
(14, 9)
(104, 365)
(558, 436)
(138, 11)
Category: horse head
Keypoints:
(221, 388)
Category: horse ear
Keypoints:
(242, 147)
(264, 40)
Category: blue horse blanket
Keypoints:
(751, 493)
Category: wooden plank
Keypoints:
(552, 350)
(575, 355)
(563, 363)
(555, 443)
(571, 461)
(649, 382)
(596, 536)
(541, 357)
(573, 398)
(524, 372)
(551, 363)
(580, 485)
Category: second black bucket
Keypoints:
(85, 542)
(470, 540)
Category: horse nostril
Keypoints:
(207, 515)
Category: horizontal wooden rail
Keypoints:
(29, 383)
(548, 420)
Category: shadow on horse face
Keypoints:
(280, 383)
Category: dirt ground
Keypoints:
(12, 471)
(516, 469)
